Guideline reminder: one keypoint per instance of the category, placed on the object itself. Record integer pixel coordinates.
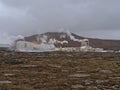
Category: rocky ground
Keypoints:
(59, 71)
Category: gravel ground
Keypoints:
(59, 71)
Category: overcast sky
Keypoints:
(90, 18)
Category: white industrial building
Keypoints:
(24, 46)
(80, 49)
(68, 49)
(85, 47)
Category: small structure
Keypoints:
(86, 49)
(84, 42)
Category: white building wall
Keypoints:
(31, 47)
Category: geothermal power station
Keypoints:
(43, 44)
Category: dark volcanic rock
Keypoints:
(13, 61)
(59, 71)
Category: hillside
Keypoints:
(73, 40)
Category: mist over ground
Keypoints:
(89, 18)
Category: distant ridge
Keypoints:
(63, 36)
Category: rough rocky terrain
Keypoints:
(59, 71)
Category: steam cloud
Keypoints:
(90, 18)
(5, 38)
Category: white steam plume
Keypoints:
(6, 38)
(72, 37)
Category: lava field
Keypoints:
(59, 71)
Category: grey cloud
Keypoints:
(83, 17)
